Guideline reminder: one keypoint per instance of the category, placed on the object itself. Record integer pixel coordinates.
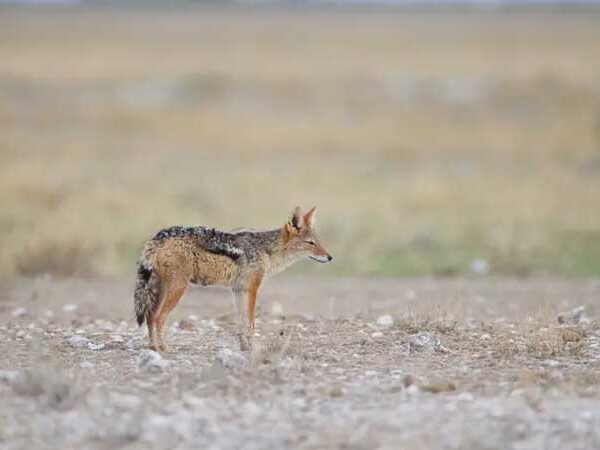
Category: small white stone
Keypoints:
(8, 375)
(479, 267)
(230, 359)
(413, 389)
(277, 309)
(77, 341)
(94, 346)
(385, 321)
(69, 307)
(411, 295)
(424, 342)
(485, 337)
(465, 397)
(377, 335)
(151, 361)
(86, 365)
(19, 312)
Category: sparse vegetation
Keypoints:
(313, 374)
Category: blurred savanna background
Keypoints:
(445, 142)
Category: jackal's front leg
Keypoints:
(245, 305)
(239, 306)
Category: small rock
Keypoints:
(479, 267)
(410, 294)
(77, 341)
(465, 397)
(230, 359)
(423, 342)
(385, 321)
(151, 361)
(19, 312)
(574, 317)
(69, 307)
(86, 365)
(184, 324)
(377, 335)
(412, 389)
(551, 363)
(8, 375)
(93, 346)
(277, 309)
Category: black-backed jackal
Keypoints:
(242, 260)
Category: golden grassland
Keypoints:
(426, 140)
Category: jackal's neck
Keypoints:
(280, 258)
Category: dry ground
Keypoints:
(478, 364)
(427, 140)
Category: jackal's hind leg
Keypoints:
(151, 323)
(169, 303)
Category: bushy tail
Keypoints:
(147, 287)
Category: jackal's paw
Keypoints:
(245, 342)
(163, 347)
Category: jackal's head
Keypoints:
(300, 236)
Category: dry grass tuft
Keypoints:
(553, 342)
(414, 325)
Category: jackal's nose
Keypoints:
(329, 257)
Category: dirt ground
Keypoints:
(338, 363)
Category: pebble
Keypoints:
(574, 317)
(479, 267)
(8, 375)
(465, 397)
(385, 321)
(423, 342)
(77, 341)
(230, 359)
(151, 361)
(70, 307)
(19, 312)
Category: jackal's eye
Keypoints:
(310, 242)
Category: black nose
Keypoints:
(329, 257)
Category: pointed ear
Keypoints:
(309, 217)
(293, 223)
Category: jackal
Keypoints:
(241, 259)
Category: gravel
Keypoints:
(451, 377)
